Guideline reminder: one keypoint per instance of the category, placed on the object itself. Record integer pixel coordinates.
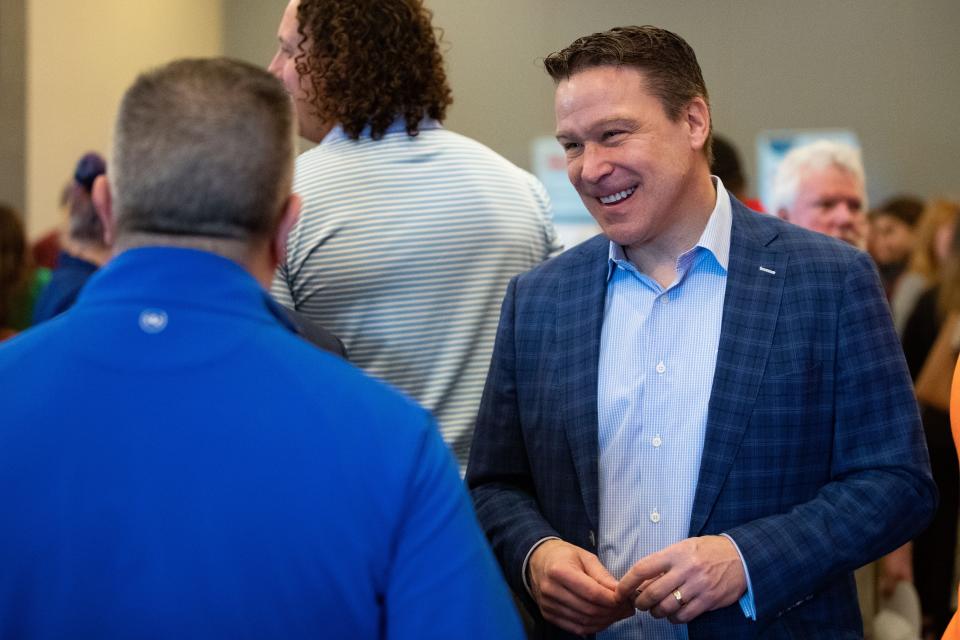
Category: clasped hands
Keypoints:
(576, 592)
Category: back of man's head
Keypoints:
(667, 61)
(85, 225)
(726, 165)
(204, 149)
(371, 62)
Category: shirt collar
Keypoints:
(397, 126)
(715, 237)
(159, 276)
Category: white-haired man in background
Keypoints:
(821, 187)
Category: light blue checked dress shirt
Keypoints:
(658, 352)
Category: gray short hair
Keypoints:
(811, 157)
(202, 148)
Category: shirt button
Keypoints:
(657, 441)
(661, 367)
(654, 516)
(664, 299)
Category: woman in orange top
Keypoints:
(953, 631)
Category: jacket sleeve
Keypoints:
(880, 493)
(498, 472)
(441, 561)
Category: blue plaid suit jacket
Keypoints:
(813, 461)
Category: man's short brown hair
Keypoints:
(669, 65)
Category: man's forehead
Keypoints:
(830, 175)
(288, 22)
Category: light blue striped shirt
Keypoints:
(404, 249)
(658, 352)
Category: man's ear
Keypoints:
(697, 115)
(103, 203)
(291, 212)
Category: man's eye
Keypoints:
(570, 146)
(608, 135)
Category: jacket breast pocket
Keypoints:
(793, 397)
(789, 440)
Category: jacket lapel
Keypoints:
(750, 309)
(579, 321)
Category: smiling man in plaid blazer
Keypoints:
(698, 424)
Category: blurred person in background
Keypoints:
(892, 238)
(20, 282)
(930, 339)
(821, 186)
(726, 165)
(931, 249)
(46, 249)
(84, 249)
(953, 630)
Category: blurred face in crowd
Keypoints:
(943, 240)
(891, 239)
(284, 67)
(630, 163)
(830, 201)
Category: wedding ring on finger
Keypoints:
(679, 597)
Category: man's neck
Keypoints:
(97, 254)
(658, 258)
(254, 256)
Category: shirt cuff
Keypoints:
(526, 561)
(746, 600)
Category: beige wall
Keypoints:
(882, 67)
(885, 68)
(12, 88)
(250, 29)
(81, 56)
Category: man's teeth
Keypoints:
(616, 197)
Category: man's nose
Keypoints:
(844, 214)
(595, 165)
(274, 66)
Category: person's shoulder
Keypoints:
(33, 347)
(589, 253)
(317, 157)
(315, 378)
(479, 152)
(802, 245)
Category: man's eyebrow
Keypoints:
(621, 120)
(602, 124)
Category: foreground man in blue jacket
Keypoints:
(176, 462)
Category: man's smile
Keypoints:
(618, 196)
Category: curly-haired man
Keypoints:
(409, 232)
